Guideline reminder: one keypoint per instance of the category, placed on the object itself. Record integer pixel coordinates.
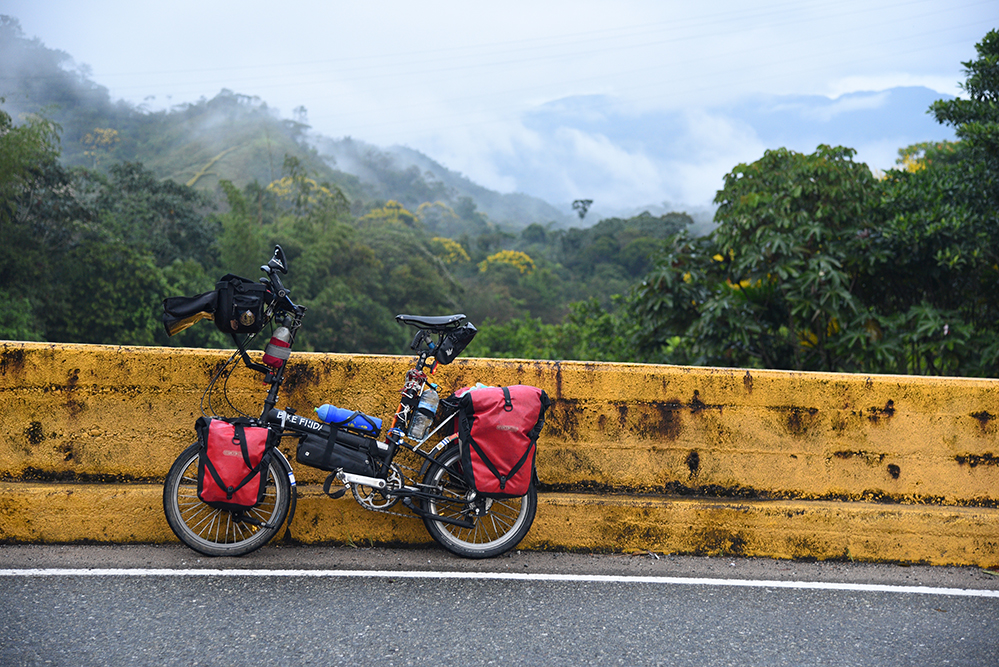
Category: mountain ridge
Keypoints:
(581, 147)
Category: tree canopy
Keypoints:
(816, 263)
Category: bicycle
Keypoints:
(456, 517)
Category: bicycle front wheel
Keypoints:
(216, 532)
(500, 528)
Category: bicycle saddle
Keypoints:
(439, 323)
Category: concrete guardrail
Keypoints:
(633, 457)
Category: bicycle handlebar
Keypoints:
(280, 292)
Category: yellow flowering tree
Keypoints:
(100, 142)
(448, 250)
(515, 258)
(392, 213)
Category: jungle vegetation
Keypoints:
(815, 262)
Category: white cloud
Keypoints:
(847, 104)
(455, 79)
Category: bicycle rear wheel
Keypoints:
(500, 528)
(216, 532)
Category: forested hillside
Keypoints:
(815, 263)
(229, 137)
(112, 209)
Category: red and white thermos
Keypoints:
(278, 348)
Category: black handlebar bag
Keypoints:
(232, 463)
(498, 429)
(241, 305)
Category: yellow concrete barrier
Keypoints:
(688, 460)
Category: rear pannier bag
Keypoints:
(232, 464)
(498, 430)
(241, 305)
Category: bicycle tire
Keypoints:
(216, 532)
(501, 528)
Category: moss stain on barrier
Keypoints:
(34, 433)
(797, 421)
(570, 460)
(875, 415)
(300, 375)
(677, 489)
(563, 418)
(975, 460)
(11, 360)
(31, 474)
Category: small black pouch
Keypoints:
(454, 342)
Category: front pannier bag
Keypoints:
(498, 430)
(232, 464)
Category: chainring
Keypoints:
(372, 499)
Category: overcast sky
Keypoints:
(455, 78)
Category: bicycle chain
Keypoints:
(404, 478)
(411, 515)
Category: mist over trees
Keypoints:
(137, 206)
(815, 263)
(818, 265)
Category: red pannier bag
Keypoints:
(232, 463)
(498, 430)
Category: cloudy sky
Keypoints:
(461, 80)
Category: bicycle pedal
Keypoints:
(335, 494)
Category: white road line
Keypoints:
(503, 576)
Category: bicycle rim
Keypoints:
(503, 525)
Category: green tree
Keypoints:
(241, 242)
(35, 201)
(161, 217)
(934, 292)
(815, 265)
(25, 151)
(587, 333)
(976, 119)
(773, 285)
(109, 292)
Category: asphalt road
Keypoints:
(332, 606)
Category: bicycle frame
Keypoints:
(287, 423)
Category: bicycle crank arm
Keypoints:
(374, 482)
(408, 502)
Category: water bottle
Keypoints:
(278, 348)
(350, 419)
(425, 412)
